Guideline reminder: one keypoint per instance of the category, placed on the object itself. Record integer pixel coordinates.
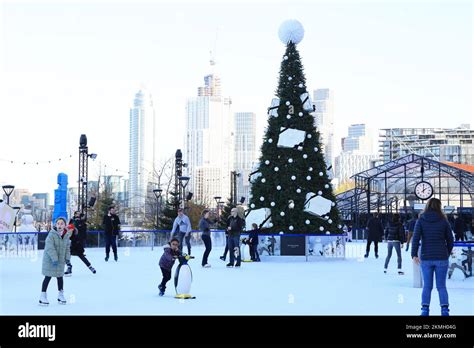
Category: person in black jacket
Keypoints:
(395, 236)
(437, 242)
(235, 224)
(205, 227)
(459, 228)
(78, 238)
(374, 234)
(111, 223)
(253, 243)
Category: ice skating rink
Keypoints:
(275, 286)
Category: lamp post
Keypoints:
(83, 175)
(157, 193)
(183, 181)
(8, 189)
(17, 210)
(217, 199)
(233, 187)
(221, 205)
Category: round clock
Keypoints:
(423, 190)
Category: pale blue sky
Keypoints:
(74, 67)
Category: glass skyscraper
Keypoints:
(141, 153)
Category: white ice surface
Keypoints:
(275, 286)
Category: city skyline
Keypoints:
(78, 79)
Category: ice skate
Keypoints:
(43, 301)
(61, 299)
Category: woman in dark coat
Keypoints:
(437, 241)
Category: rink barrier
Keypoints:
(273, 248)
(194, 231)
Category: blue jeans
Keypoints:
(234, 249)
(440, 269)
(187, 239)
(397, 247)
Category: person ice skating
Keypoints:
(182, 230)
(411, 229)
(170, 253)
(375, 234)
(55, 256)
(226, 249)
(434, 232)
(111, 223)
(253, 243)
(235, 224)
(455, 261)
(467, 263)
(395, 236)
(459, 229)
(77, 242)
(205, 227)
(271, 245)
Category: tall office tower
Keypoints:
(245, 147)
(324, 121)
(357, 153)
(209, 149)
(359, 139)
(141, 153)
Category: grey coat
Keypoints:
(56, 249)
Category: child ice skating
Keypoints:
(253, 243)
(170, 254)
(56, 254)
(77, 245)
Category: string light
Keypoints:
(35, 162)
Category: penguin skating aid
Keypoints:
(183, 277)
(245, 242)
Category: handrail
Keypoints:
(195, 231)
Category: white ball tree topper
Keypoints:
(291, 30)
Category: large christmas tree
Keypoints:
(291, 191)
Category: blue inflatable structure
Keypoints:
(60, 198)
